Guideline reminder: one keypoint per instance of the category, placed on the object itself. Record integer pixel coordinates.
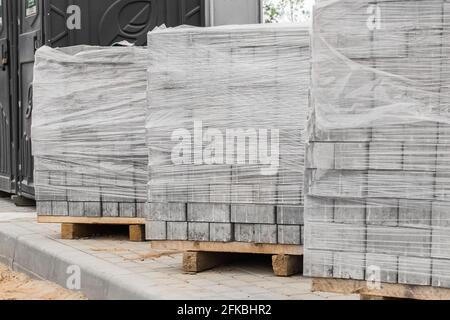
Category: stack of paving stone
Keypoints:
(377, 202)
(88, 131)
(225, 133)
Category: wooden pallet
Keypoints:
(82, 227)
(199, 256)
(386, 291)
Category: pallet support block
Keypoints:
(287, 265)
(201, 261)
(137, 232)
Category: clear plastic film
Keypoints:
(88, 131)
(377, 169)
(226, 130)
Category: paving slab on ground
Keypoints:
(115, 268)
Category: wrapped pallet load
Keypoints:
(377, 201)
(89, 132)
(225, 134)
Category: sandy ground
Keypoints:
(18, 286)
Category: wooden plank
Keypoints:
(231, 247)
(90, 220)
(386, 290)
(286, 265)
(201, 261)
(137, 232)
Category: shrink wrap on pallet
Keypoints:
(88, 131)
(377, 200)
(225, 133)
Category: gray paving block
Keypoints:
(286, 195)
(318, 209)
(386, 267)
(398, 184)
(382, 212)
(177, 230)
(415, 271)
(60, 208)
(141, 209)
(399, 241)
(443, 155)
(92, 209)
(320, 156)
(44, 208)
(348, 265)
(338, 183)
(414, 213)
(290, 215)
(244, 232)
(167, 211)
(440, 274)
(198, 231)
(440, 214)
(289, 234)
(221, 232)
(265, 233)
(335, 237)
(351, 156)
(386, 155)
(253, 214)
(440, 244)
(127, 209)
(350, 211)
(318, 263)
(76, 209)
(419, 157)
(208, 212)
(155, 230)
(110, 209)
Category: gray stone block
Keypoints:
(440, 274)
(350, 211)
(318, 263)
(414, 213)
(348, 265)
(44, 208)
(440, 244)
(198, 231)
(253, 214)
(336, 183)
(92, 209)
(141, 209)
(386, 265)
(382, 212)
(335, 237)
(221, 232)
(318, 209)
(351, 156)
(177, 230)
(155, 230)
(289, 234)
(386, 155)
(127, 209)
(208, 212)
(320, 156)
(443, 153)
(110, 209)
(290, 215)
(399, 241)
(167, 211)
(419, 157)
(397, 184)
(60, 208)
(76, 209)
(440, 214)
(415, 271)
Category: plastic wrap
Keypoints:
(226, 132)
(377, 202)
(88, 131)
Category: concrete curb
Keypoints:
(47, 259)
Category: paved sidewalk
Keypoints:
(120, 269)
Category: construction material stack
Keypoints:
(225, 133)
(377, 199)
(89, 131)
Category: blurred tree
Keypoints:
(285, 11)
